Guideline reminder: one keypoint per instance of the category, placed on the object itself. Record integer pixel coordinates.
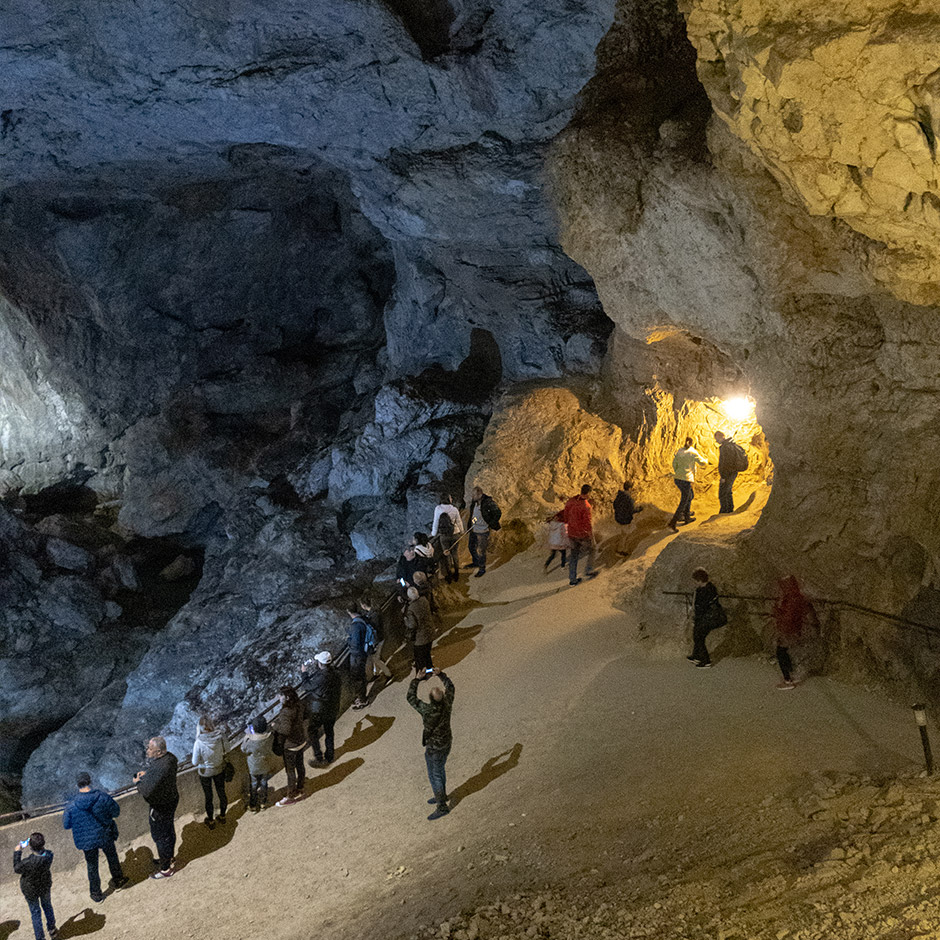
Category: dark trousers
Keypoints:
(436, 761)
(725, 497)
(319, 725)
(785, 663)
(684, 509)
(357, 675)
(91, 863)
(257, 789)
(579, 547)
(477, 544)
(207, 783)
(294, 765)
(423, 656)
(163, 833)
(450, 565)
(699, 650)
(45, 901)
(555, 551)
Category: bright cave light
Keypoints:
(738, 409)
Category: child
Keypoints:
(557, 538)
(258, 747)
(35, 873)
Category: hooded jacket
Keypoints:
(91, 817)
(35, 872)
(209, 753)
(259, 752)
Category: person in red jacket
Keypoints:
(580, 534)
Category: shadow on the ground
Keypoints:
(7, 927)
(362, 737)
(138, 864)
(493, 768)
(79, 925)
(330, 778)
(198, 840)
(455, 645)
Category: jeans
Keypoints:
(163, 833)
(257, 789)
(91, 863)
(318, 722)
(555, 551)
(448, 559)
(574, 553)
(423, 657)
(684, 509)
(357, 675)
(219, 781)
(477, 544)
(436, 760)
(785, 663)
(45, 900)
(699, 650)
(294, 765)
(725, 498)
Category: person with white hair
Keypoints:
(419, 624)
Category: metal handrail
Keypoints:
(186, 765)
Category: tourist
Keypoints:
(90, 815)
(375, 666)
(426, 589)
(358, 628)
(557, 538)
(793, 614)
(322, 685)
(482, 518)
(581, 534)
(291, 729)
(732, 460)
(707, 615)
(419, 627)
(447, 528)
(436, 736)
(157, 785)
(209, 761)
(624, 511)
(424, 553)
(683, 469)
(406, 567)
(35, 873)
(258, 748)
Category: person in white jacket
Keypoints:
(209, 761)
(447, 529)
(683, 469)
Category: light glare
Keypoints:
(738, 409)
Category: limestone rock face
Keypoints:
(841, 105)
(539, 448)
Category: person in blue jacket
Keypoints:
(90, 816)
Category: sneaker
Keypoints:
(121, 882)
(480, 573)
(222, 819)
(359, 704)
(442, 810)
(286, 801)
(576, 581)
(209, 823)
(591, 574)
(692, 659)
(53, 933)
(672, 525)
(702, 665)
(97, 898)
(317, 762)
(786, 686)
(164, 873)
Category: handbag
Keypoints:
(229, 771)
(277, 745)
(717, 616)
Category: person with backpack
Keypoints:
(581, 534)
(258, 748)
(35, 873)
(707, 615)
(209, 761)
(447, 529)
(482, 518)
(624, 511)
(90, 815)
(732, 460)
(322, 686)
(375, 637)
(683, 470)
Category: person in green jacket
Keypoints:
(436, 736)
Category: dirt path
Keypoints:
(579, 760)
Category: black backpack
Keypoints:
(490, 511)
(445, 526)
(623, 508)
(739, 457)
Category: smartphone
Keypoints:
(428, 671)
(403, 582)
(251, 729)
(24, 844)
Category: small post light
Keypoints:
(920, 716)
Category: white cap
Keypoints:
(325, 657)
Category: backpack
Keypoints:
(623, 509)
(371, 639)
(445, 526)
(490, 511)
(739, 457)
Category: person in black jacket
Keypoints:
(35, 873)
(708, 614)
(624, 511)
(727, 471)
(157, 785)
(90, 815)
(322, 686)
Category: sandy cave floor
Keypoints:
(603, 789)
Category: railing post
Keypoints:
(920, 716)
